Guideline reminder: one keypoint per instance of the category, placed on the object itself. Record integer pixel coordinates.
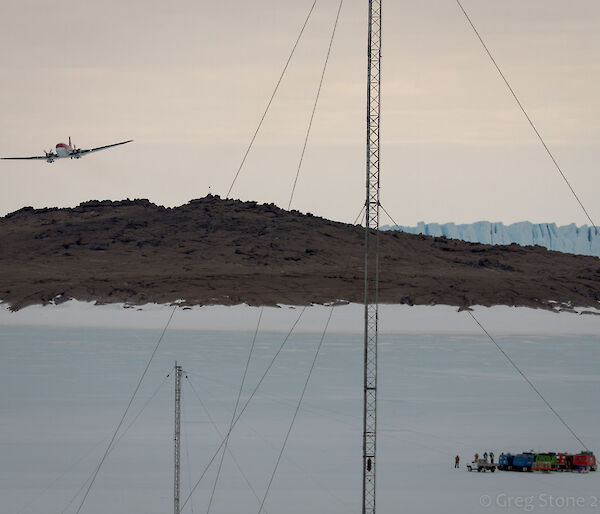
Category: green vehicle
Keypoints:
(545, 462)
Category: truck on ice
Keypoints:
(547, 462)
(481, 465)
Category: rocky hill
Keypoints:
(214, 251)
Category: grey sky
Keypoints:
(189, 80)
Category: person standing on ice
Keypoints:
(456, 462)
(485, 456)
(492, 457)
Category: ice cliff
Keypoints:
(582, 240)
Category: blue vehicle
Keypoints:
(505, 461)
(520, 462)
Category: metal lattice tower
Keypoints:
(371, 257)
(177, 438)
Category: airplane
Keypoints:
(64, 151)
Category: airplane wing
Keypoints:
(85, 152)
(44, 157)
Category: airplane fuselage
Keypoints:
(63, 150)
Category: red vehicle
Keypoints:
(584, 461)
(564, 462)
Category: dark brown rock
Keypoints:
(213, 251)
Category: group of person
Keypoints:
(485, 456)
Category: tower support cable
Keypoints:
(514, 365)
(289, 431)
(529, 382)
(121, 436)
(235, 410)
(116, 431)
(314, 110)
(372, 206)
(220, 434)
(529, 120)
(273, 94)
(245, 406)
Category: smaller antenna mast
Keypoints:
(177, 438)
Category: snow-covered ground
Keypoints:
(66, 373)
(347, 319)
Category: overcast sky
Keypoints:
(189, 81)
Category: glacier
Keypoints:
(583, 240)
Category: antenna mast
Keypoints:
(177, 439)
(371, 258)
